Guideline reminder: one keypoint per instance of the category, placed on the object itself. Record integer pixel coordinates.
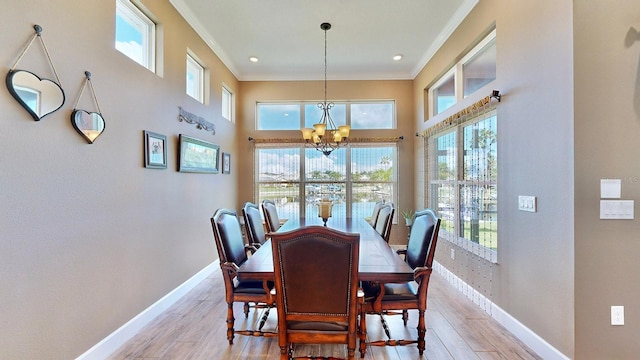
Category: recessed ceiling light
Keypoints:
(397, 57)
(253, 59)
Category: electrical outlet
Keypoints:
(453, 254)
(617, 315)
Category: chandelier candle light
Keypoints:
(325, 135)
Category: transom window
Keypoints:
(476, 69)
(294, 116)
(354, 178)
(135, 34)
(228, 101)
(195, 79)
(463, 172)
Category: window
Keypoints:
(463, 169)
(195, 79)
(479, 69)
(228, 102)
(354, 178)
(294, 116)
(444, 94)
(135, 34)
(476, 69)
(278, 117)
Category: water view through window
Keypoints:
(353, 178)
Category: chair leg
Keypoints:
(385, 326)
(246, 310)
(362, 331)
(422, 331)
(230, 321)
(405, 316)
(264, 318)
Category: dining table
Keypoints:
(378, 262)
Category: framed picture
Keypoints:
(197, 156)
(226, 163)
(155, 150)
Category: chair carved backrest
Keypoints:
(270, 215)
(423, 238)
(316, 303)
(385, 220)
(253, 224)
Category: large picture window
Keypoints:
(354, 178)
(463, 171)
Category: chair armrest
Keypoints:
(420, 272)
(251, 248)
(230, 266)
(360, 295)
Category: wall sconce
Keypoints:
(495, 94)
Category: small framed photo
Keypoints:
(226, 163)
(197, 156)
(155, 150)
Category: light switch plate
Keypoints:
(527, 203)
(616, 209)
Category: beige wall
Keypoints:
(533, 279)
(400, 91)
(89, 237)
(607, 122)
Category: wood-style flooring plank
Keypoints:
(194, 328)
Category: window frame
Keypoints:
(195, 67)
(346, 184)
(458, 76)
(228, 103)
(348, 104)
(138, 19)
(456, 183)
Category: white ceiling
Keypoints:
(286, 37)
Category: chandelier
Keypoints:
(325, 135)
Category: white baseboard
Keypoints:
(116, 339)
(519, 330)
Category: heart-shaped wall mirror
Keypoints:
(89, 124)
(40, 97)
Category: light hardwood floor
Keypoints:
(194, 328)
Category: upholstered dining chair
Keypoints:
(253, 225)
(270, 215)
(233, 253)
(385, 220)
(376, 211)
(382, 298)
(316, 282)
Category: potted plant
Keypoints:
(408, 216)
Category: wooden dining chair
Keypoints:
(253, 225)
(270, 215)
(381, 298)
(316, 282)
(233, 253)
(384, 221)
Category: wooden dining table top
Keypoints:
(377, 262)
